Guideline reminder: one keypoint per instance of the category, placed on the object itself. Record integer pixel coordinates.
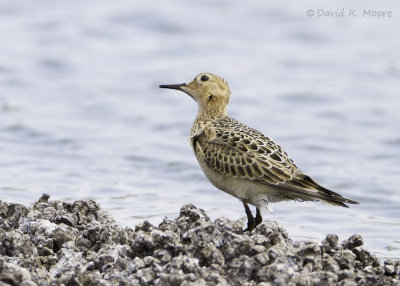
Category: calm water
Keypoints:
(81, 116)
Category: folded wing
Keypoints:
(239, 151)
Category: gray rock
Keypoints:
(14, 274)
(389, 268)
(353, 241)
(331, 243)
(55, 242)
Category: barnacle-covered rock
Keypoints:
(55, 242)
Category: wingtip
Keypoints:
(348, 201)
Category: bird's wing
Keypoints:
(239, 151)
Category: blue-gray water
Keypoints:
(82, 117)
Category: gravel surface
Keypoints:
(60, 243)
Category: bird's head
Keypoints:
(210, 91)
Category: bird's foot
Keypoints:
(248, 229)
(251, 221)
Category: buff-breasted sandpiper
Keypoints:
(240, 160)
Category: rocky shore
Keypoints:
(60, 243)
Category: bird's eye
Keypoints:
(204, 78)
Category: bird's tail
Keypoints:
(319, 192)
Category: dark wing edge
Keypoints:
(335, 197)
(308, 189)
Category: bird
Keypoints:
(242, 161)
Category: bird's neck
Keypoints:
(211, 112)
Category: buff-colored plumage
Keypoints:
(239, 159)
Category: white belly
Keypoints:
(254, 193)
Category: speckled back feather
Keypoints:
(239, 151)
